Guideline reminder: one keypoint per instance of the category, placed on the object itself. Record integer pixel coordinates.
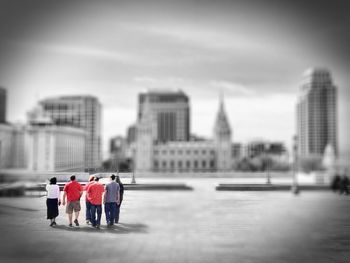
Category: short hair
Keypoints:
(72, 177)
(91, 178)
(97, 179)
(53, 180)
(113, 176)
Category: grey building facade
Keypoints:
(81, 112)
(3, 103)
(317, 114)
(169, 114)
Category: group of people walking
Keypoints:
(96, 194)
(341, 183)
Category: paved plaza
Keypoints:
(202, 225)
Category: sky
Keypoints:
(253, 52)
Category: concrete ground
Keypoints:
(202, 225)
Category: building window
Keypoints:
(172, 152)
(156, 164)
(195, 164)
(179, 164)
(204, 152)
(188, 164)
(212, 164)
(172, 164)
(204, 164)
(164, 164)
(195, 152)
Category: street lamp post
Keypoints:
(295, 187)
(133, 180)
(268, 176)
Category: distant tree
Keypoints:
(309, 164)
(260, 163)
(107, 165)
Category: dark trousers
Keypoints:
(88, 211)
(117, 212)
(344, 189)
(52, 208)
(96, 209)
(110, 212)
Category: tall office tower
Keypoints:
(82, 112)
(131, 134)
(2, 105)
(222, 140)
(169, 114)
(317, 114)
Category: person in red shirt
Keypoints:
(87, 202)
(94, 194)
(73, 191)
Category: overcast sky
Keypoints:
(253, 51)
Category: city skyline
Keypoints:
(255, 53)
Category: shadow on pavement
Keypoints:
(18, 208)
(121, 228)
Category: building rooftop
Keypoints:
(69, 98)
(316, 70)
(321, 75)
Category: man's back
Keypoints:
(112, 190)
(95, 192)
(73, 190)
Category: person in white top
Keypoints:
(53, 200)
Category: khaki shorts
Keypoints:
(73, 205)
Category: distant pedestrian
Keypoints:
(87, 203)
(111, 198)
(344, 189)
(95, 192)
(121, 194)
(336, 183)
(53, 200)
(73, 191)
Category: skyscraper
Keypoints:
(2, 105)
(82, 112)
(317, 114)
(131, 134)
(169, 114)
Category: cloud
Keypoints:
(97, 53)
(122, 55)
(231, 89)
(166, 82)
(205, 38)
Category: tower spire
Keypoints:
(222, 138)
(222, 125)
(221, 100)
